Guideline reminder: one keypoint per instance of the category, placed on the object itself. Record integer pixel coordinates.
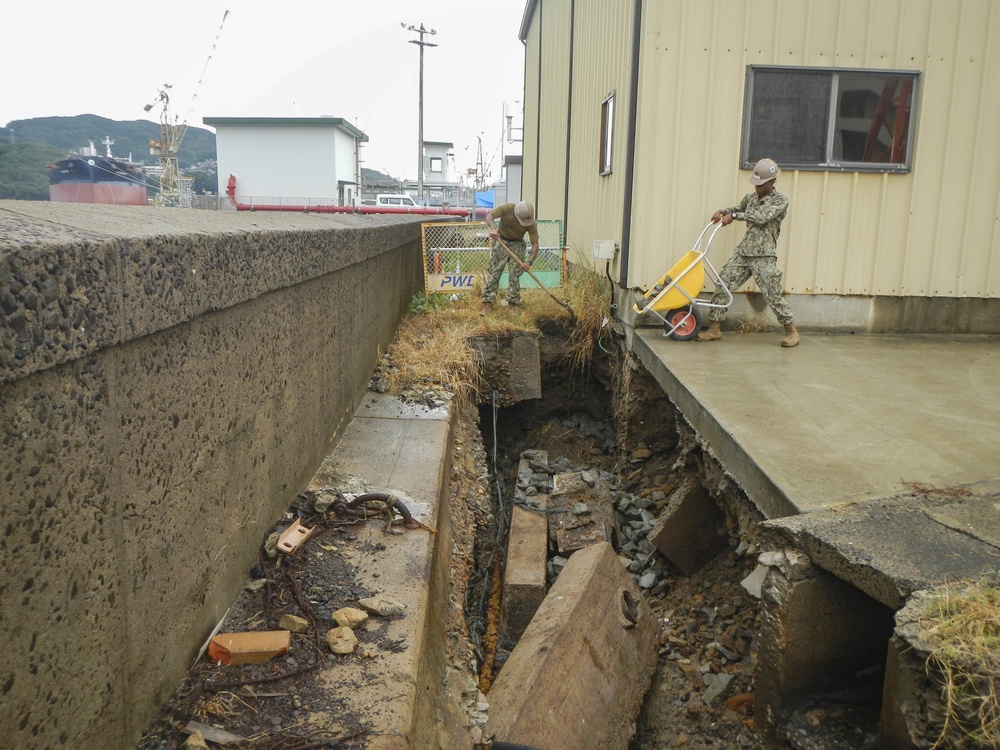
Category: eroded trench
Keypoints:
(612, 425)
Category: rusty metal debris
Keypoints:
(378, 504)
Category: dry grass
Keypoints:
(590, 297)
(224, 705)
(963, 624)
(750, 325)
(432, 344)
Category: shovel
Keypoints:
(572, 315)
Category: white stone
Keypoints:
(754, 581)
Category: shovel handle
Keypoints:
(513, 255)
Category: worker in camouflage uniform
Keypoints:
(514, 221)
(756, 255)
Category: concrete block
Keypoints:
(577, 677)
(813, 632)
(913, 695)
(526, 368)
(570, 532)
(524, 576)
(248, 648)
(691, 529)
(901, 693)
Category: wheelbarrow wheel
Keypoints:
(687, 325)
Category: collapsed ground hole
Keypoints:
(615, 420)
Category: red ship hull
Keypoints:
(117, 193)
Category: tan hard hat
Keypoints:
(525, 213)
(764, 171)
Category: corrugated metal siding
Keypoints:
(554, 88)
(602, 56)
(529, 145)
(933, 232)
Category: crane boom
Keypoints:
(172, 186)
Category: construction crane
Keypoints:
(165, 148)
(174, 189)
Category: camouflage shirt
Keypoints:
(763, 217)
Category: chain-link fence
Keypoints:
(456, 256)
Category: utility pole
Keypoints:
(420, 107)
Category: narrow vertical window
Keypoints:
(607, 133)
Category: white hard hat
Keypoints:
(764, 171)
(525, 213)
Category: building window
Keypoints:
(607, 133)
(829, 118)
(436, 162)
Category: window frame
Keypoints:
(607, 142)
(440, 163)
(747, 160)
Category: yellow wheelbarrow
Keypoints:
(674, 298)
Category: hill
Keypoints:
(28, 146)
(23, 173)
(129, 136)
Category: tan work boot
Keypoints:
(791, 336)
(714, 332)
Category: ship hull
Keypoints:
(116, 193)
(97, 180)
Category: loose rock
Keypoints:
(350, 617)
(382, 606)
(294, 623)
(341, 640)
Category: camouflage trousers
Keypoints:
(764, 270)
(499, 258)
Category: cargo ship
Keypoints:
(91, 178)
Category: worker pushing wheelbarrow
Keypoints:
(674, 298)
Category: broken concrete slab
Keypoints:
(525, 367)
(577, 677)
(814, 629)
(511, 366)
(922, 705)
(892, 547)
(690, 530)
(569, 530)
(525, 571)
(248, 648)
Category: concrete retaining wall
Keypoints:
(169, 381)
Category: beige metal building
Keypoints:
(642, 117)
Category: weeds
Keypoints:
(963, 624)
(432, 344)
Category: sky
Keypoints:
(278, 58)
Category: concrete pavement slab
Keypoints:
(840, 417)
(892, 547)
